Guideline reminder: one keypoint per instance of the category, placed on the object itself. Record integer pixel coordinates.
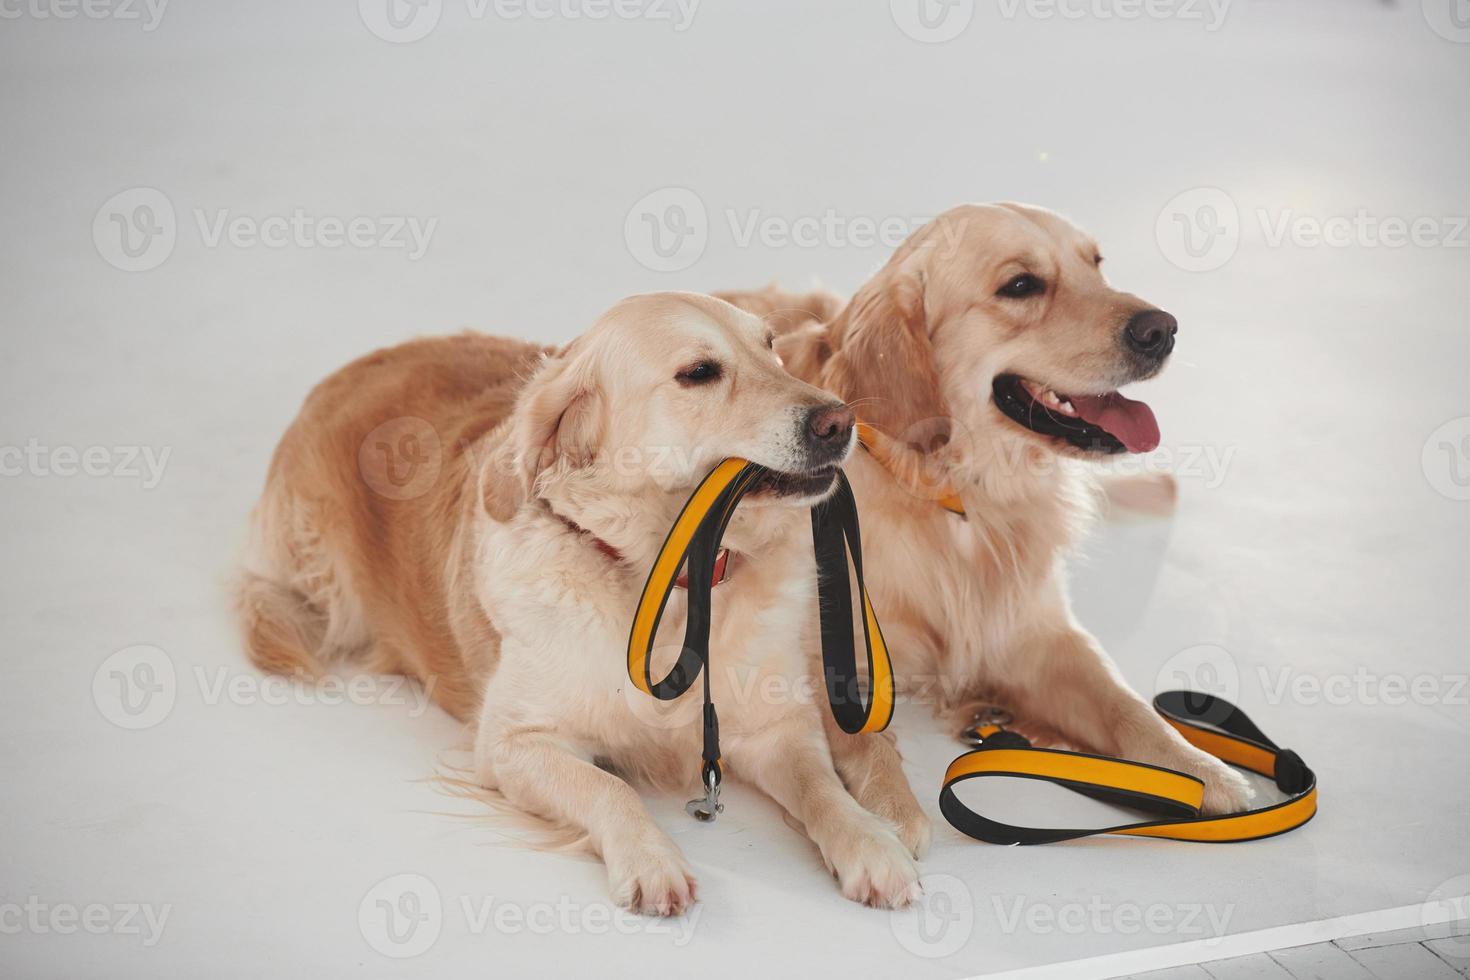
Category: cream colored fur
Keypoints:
(491, 583)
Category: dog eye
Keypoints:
(770, 341)
(1021, 287)
(697, 374)
(1097, 260)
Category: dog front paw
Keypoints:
(873, 866)
(651, 878)
(1226, 789)
(910, 823)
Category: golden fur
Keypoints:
(975, 609)
(493, 582)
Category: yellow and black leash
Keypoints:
(1172, 798)
(693, 544)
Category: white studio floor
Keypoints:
(1317, 412)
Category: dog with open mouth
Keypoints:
(988, 349)
(507, 577)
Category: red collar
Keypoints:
(722, 558)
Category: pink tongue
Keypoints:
(1131, 423)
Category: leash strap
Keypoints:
(835, 536)
(694, 540)
(1212, 724)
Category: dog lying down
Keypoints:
(506, 580)
(984, 357)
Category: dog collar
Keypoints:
(879, 447)
(722, 557)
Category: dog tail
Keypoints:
(282, 629)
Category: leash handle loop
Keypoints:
(1210, 723)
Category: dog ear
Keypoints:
(557, 425)
(882, 361)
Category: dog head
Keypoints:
(658, 392)
(998, 318)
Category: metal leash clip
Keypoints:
(988, 717)
(708, 808)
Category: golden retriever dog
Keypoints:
(507, 578)
(987, 351)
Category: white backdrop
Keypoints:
(1253, 167)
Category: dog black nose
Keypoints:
(828, 431)
(1151, 333)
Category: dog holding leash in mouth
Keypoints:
(507, 581)
(989, 348)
